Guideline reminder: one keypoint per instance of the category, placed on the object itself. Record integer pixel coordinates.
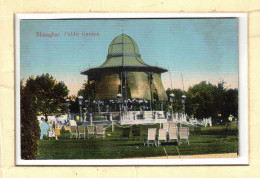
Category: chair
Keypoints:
(136, 132)
(196, 130)
(173, 124)
(125, 133)
(166, 126)
(173, 134)
(151, 137)
(82, 131)
(73, 132)
(91, 130)
(184, 134)
(100, 131)
(162, 135)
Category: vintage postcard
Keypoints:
(131, 89)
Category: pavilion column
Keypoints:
(150, 78)
(121, 82)
(125, 88)
(89, 91)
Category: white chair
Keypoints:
(166, 126)
(173, 124)
(173, 134)
(73, 132)
(184, 134)
(151, 137)
(91, 130)
(100, 131)
(162, 136)
(82, 131)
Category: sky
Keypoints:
(197, 49)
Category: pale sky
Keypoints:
(200, 49)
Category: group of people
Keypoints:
(49, 129)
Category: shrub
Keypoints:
(30, 129)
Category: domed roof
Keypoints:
(123, 51)
(123, 54)
(124, 44)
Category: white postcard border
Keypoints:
(243, 92)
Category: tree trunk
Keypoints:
(46, 117)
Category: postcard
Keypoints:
(131, 89)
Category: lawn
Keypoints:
(210, 140)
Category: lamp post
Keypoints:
(94, 104)
(161, 104)
(80, 106)
(68, 105)
(86, 105)
(171, 97)
(183, 100)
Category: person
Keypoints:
(230, 118)
(57, 130)
(44, 128)
(51, 131)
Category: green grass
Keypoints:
(210, 140)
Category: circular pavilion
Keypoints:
(125, 72)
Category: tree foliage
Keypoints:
(207, 100)
(177, 104)
(30, 129)
(48, 94)
(40, 95)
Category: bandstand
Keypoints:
(125, 84)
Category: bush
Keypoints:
(30, 129)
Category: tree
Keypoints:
(207, 100)
(30, 129)
(203, 96)
(232, 101)
(48, 94)
(88, 93)
(177, 104)
(74, 104)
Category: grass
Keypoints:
(210, 140)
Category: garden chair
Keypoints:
(136, 132)
(151, 137)
(82, 131)
(125, 133)
(196, 130)
(73, 132)
(173, 134)
(172, 124)
(162, 136)
(184, 134)
(100, 131)
(166, 126)
(91, 130)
